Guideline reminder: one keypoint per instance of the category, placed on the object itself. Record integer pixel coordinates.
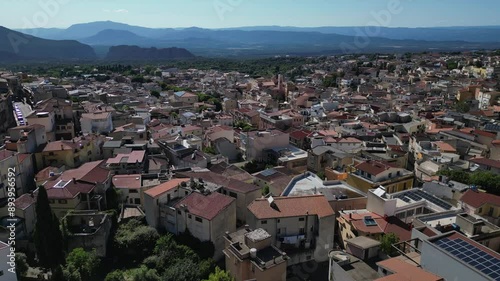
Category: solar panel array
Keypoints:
(268, 172)
(417, 195)
(475, 257)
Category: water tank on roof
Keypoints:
(253, 253)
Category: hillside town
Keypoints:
(350, 168)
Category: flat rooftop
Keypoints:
(310, 184)
(357, 269)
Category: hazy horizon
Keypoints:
(216, 14)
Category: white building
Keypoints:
(96, 123)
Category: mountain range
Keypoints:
(16, 46)
(273, 40)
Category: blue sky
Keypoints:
(234, 13)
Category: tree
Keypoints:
(265, 190)
(21, 264)
(462, 107)
(219, 275)
(386, 243)
(47, 235)
(86, 263)
(182, 270)
(134, 240)
(116, 275)
(155, 94)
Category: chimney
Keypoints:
(350, 216)
(74, 180)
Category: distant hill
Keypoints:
(110, 37)
(462, 33)
(277, 40)
(125, 53)
(26, 47)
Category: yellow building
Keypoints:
(71, 153)
(372, 174)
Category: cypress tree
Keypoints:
(48, 237)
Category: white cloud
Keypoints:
(117, 11)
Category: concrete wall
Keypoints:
(380, 206)
(225, 221)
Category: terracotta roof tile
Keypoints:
(478, 199)
(165, 187)
(207, 207)
(403, 271)
(291, 207)
(127, 181)
(486, 162)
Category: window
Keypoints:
(279, 231)
(302, 230)
(179, 212)
(301, 219)
(232, 194)
(263, 222)
(133, 191)
(198, 219)
(51, 201)
(51, 153)
(137, 201)
(63, 201)
(480, 210)
(189, 216)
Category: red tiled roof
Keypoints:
(478, 199)
(164, 187)
(384, 225)
(4, 154)
(374, 167)
(89, 172)
(75, 143)
(23, 156)
(207, 207)
(70, 189)
(291, 207)
(485, 134)
(445, 147)
(301, 134)
(486, 162)
(26, 200)
(127, 181)
(404, 271)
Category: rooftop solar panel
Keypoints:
(475, 257)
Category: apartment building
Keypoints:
(302, 224)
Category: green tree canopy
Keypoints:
(86, 263)
(219, 275)
(134, 240)
(386, 243)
